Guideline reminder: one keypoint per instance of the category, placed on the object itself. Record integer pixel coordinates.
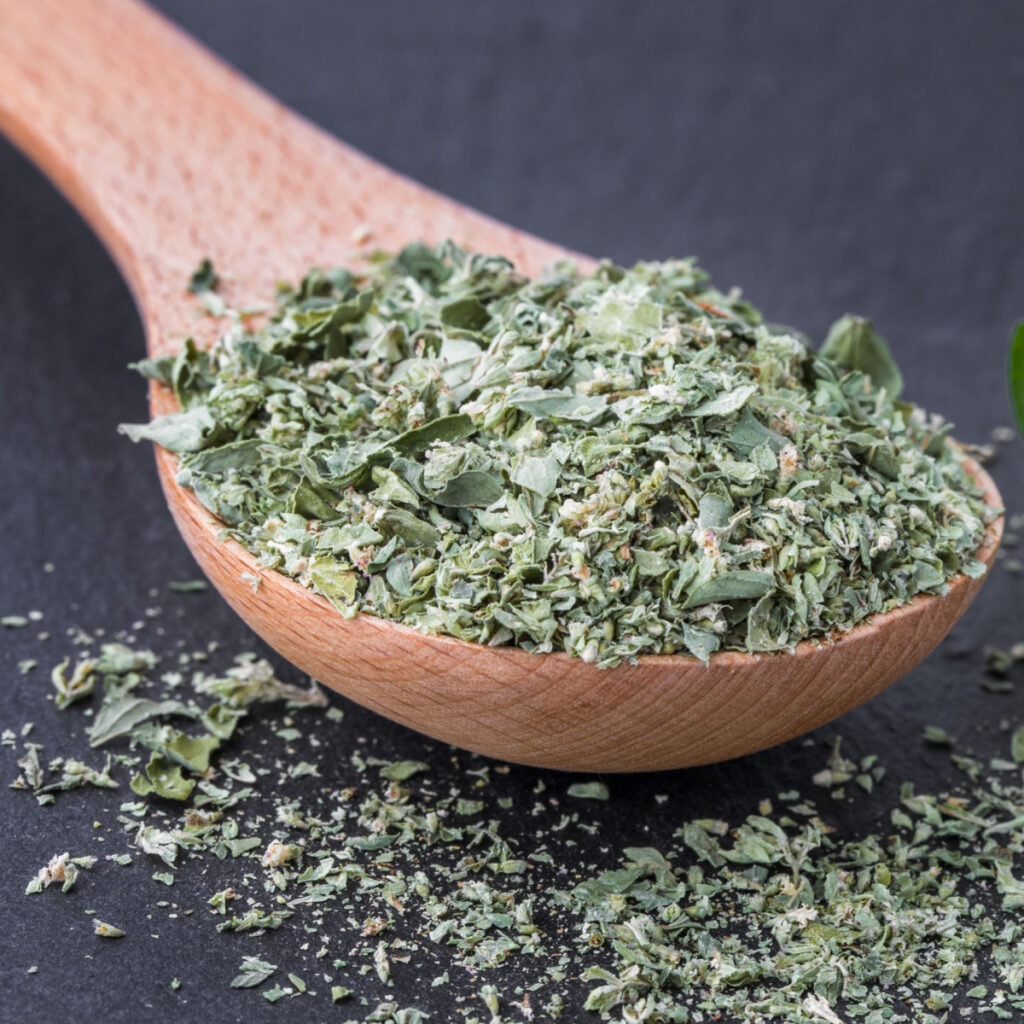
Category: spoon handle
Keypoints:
(171, 156)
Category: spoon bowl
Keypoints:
(555, 711)
(173, 157)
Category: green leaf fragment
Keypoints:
(75, 773)
(334, 580)
(105, 930)
(1016, 374)
(178, 432)
(589, 790)
(400, 771)
(203, 279)
(1017, 745)
(472, 489)
(162, 778)
(80, 684)
(740, 585)
(937, 736)
(380, 841)
(725, 404)
(188, 586)
(158, 843)
(536, 473)
(191, 752)
(465, 314)
(222, 720)
(119, 660)
(853, 342)
(253, 972)
(120, 717)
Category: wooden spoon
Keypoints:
(171, 157)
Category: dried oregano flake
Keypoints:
(613, 464)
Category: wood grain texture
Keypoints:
(172, 157)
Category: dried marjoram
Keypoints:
(613, 464)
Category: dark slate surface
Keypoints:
(828, 158)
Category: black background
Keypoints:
(864, 157)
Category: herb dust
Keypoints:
(612, 464)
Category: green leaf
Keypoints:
(651, 563)
(121, 716)
(188, 586)
(589, 790)
(422, 263)
(222, 720)
(741, 585)
(399, 771)
(159, 369)
(163, 779)
(465, 314)
(724, 404)
(105, 930)
(74, 774)
(473, 488)
(203, 279)
(413, 531)
(378, 841)
(157, 843)
(444, 428)
(253, 972)
(1016, 374)
(702, 843)
(178, 432)
(559, 404)
(334, 580)
(81, 683)
(191, 752)
(352, 466)
(311, 502)
(1017, 745)
(749, 432)
(238, 847)
(853, 342)
(623, 319)
(226, 459)
(537, 473)
(120, 660)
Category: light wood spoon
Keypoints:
(171, 157)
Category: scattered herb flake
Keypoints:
(253, 972)
(105, 930)
(399, 869)
(589, 790)
(188, 586)
(1017, 745)
(400, 771)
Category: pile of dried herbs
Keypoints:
(465, 877)
(613, 464)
